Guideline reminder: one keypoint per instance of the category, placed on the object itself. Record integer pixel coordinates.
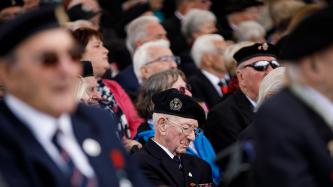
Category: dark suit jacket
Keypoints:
(128, 81)
(160, 169)
(203, 89)
(24, 162)
(177, 41)
(227, 119)
(291, 144)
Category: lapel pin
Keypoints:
(91, 147)
(190, 174)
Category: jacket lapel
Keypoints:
(39, 162)
(167, 163)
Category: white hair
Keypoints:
(143, 55)
(194, 20)
(136, 30)
(80, 89)
(249, 31)
(271, 84)
(229, 61)
(204, 44)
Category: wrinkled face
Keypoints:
(44, 71)
(323, 72)
(249, 78)
(180, 133)
(92, 96)
(98, 55)
(161, 60)
(181, 86)
(217, 55)
(206, 28)
(154, 31)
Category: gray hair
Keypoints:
(154, 84)
(204, 44)
(271, 84)
(143, 55)
(194, 20)
(249, 31)
(136, 30)
(229, 61)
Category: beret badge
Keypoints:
(263, 46)
(176, 104)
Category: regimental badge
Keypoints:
(176, 104)
(330, 147)
(263, 46)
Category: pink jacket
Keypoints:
(126, 105)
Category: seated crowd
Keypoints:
(179, 93)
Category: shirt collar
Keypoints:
(42, 125)
(215, 80)
(165, 149)
(254, 104)
(179, 15)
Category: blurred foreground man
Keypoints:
(163, 159)
(46, 139)
(294, 137)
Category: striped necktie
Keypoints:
(76, 177)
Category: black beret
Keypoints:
(25, 25)
(87, 69)
(313, 34)
(172, 102)
(240, 5)
(8, 3)
(77, 12)
(255, 50)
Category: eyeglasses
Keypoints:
(187, 129)
(53, 58)
(166, 58)
(182, 89)
(263, 65)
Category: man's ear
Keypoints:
(144, 72)
(161, 125)
(206, 60)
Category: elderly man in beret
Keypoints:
(228, 118)
(294, 137)
(163, 159)
(46, 138)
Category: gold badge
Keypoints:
(192, 184)
(263, 46)
(176, 104)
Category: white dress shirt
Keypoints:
(44, 126)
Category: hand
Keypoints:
(129, 143)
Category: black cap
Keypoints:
(240, 5)
(313, 34)
(25, 25)
(255, 50)
(9, 3)
(77, 12)
(87, 69)
(172, 102)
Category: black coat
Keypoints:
(203, 89)
(177, 40)
(227, 120)
(291, 145)
(160, 169)
(24, 162)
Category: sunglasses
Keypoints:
(182, 89)
(166, 58)
(263, 65)
(53, 58)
